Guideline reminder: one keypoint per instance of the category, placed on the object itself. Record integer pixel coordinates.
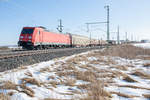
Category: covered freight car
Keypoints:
(79, 41)
(83, 41)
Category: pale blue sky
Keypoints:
(133, 16)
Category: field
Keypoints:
(115, 73)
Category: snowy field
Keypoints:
(143, 45)
(86, 75)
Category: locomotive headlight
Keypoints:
(30, 37)
(21, 37)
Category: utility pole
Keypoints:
(60, 26)
(126, 37)
(118, 36)
(132, 37)
(88, 30)
(107, 7)
(108, 37)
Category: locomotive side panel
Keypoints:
(50, 38)
(55, 38)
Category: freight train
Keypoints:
(41, 38)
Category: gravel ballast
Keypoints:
(11, 63)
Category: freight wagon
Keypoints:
(79, 41)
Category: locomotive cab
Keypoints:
(25, 39)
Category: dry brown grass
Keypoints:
(145, 58)
(51, 77)
(69, 81)
(124, 95)
(4, 96)
(121, 67)
(53, 99)
(11, 93)
(28, 74)
(103, 70)
(77, 59)
(88, 76)
(54, 83)
(69, 66)
(130, 65)
(146, 64)
(95, 88)
(23, 67)
(96, 92)
(27, 90)
(87, 66)
(135, 87)
(4, 48)
(83, 86)
(64, 67)
(46, 69)
(92, 98)
(95, 62)
(8, 85)
(65, 73)
(101, 59)
(125, 76)
(59, 63)
(146, 96)
(106, 75)
(125, 51)
(31, 81)
(110, 61)
(141, 74)
(11, 86)
(118, 73)
(129, 79)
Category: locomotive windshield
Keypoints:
(27, 31)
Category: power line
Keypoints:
(96, 22)
(100, 29)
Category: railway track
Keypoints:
(11, 60)
(13, 54)
(21, 53)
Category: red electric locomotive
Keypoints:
(40, 38)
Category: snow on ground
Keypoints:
(69, 78)
(143, 45)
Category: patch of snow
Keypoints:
(92, 58)
(21, 96)
(143, 45)
(60, 91)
